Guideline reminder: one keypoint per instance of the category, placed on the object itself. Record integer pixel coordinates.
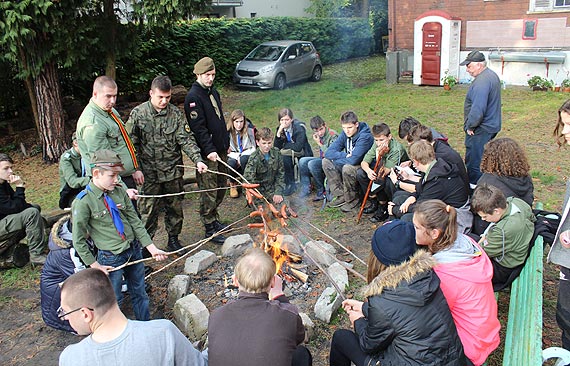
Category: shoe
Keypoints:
(372, 208)
(380, 215)
(174, 245)
(337, 202)
(234, 192)
(349, 206)
(211, 230)
(37, 260)
(319, 197)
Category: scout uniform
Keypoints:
(110, 220)
(203, 108)
(73, 176)
(159, 138)
(268, 172)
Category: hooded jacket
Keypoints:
(406, 318)
(465, 272)
(520, 187)
(362, 141)
(558, 254)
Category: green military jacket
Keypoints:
(395, 156)
(159, 138)
(328, 139)
(269, 174)
(91, 218)
(70, 170)
(97, 130)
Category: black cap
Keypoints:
(394, 242)
(473, 56)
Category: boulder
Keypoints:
(327, 304)
(178, 288)
(191, 317)
(339, 275)
(309, 326)
(237, 244)
(199, 262)
(319, 251)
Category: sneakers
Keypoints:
(234, 192)
(38, 259)
(337, 202)
(319, 197)
(211, 230)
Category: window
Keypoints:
(529, 28)
(562, 3)
(549, 5)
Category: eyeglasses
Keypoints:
(61, 314)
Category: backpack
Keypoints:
(546, 225)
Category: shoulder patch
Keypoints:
(187, 128)
(192, 104)
(193, 114)
(81, 194)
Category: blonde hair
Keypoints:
(254, 271)
(422, 151)
(374, 267)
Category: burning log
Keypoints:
(301, 276)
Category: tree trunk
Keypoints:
(50, 113)
(29, 82)
(110, 35)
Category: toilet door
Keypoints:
(431, 53)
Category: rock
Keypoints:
(178, 288)
(316, 249)
(309, 325)
(191, 317)
(347, 265)
(178, 94)
(236, 245)
(199, 262)
(327, 304)
(291, 244)
(339, 275)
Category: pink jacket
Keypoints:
(465, 272)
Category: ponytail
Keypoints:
(435, 214)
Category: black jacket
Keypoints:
(445, 152)
(299, 137)
(407, 320)
(209, 129)
(519, 187)
(12, 202)
(443, 183)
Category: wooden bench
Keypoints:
(523, 341)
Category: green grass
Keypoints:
(20, 278)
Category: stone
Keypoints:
(318, 251)
(199, 262)
(309, 326)
(191, 317)
(291, 244)
(339, 275)
(236, 244)
(178, 288)
(327, 304)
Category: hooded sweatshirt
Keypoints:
(465, 272)
(520, 187)
(359, 144)
(406, 318)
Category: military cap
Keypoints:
(107, 159)
(204, 65)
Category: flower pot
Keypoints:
(446, 87)
(566, 89)
(556, 88)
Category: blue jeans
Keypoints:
(474, 146)
(133, 274)
(312, 167)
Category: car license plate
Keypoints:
(246, 81)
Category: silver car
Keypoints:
(278, 63)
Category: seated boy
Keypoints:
(343, 158)
(261, 327)
(104, 212)
(396, 153)
(440, 181)
(291, 140)
(507, 239)
(408, 123)
(310, 166)
(18, 216)
(72, 174)
(265, 166)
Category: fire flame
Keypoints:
(277, 250)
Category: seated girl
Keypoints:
(242, 144)
(465, 272)
(405, 319)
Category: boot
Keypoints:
(233, 191)
(372, 208)
(211, 230)
(219, 226)
(381, 214)
(174, 244)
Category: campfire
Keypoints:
(287, 263)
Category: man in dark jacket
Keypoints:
(17, 215)
(203, 108)
(343, 158)
(440, 180)
(261, 327)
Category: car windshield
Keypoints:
(265, 53)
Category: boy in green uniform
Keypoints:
(379, 195)
(104, 212)
(507, 239)
(265, 166)
(73, 176)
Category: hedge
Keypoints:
(174, 51)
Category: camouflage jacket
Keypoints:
(159, 139)
(269, 174)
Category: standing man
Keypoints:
(100, 127)
(17, 215)
(203, 108)
(481, 112)
(160, 133)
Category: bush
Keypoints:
(175, 51)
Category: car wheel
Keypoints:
(280, 82)
(317, 73)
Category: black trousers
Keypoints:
(346, 349)
(563, 307)
(302, 357)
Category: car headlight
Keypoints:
(266, 69)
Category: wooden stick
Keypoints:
(367, 192)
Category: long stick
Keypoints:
(368, 191)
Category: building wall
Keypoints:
(404, 12)
(271, 8)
